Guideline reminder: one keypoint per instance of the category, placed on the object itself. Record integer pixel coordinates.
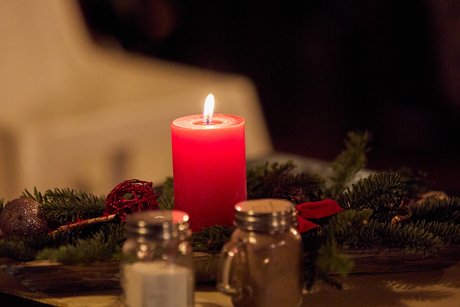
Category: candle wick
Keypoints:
(207, 119)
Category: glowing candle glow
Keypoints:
(208, 109)
(209, 166)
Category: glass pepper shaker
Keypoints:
(261, 266)
(157, 262)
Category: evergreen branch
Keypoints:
(435, 209)
(347, 226)
(350, 161)
(211, 239)
(24, 248)
(353, 229)
(166, 194)
(446, 232)
(331, 260)
(102, 246)
(378, 191)
(63, 206)
(36, 195)
(18, 250)
(409, 238)
(278, 180)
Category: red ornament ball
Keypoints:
(21, 217)
(131, 196)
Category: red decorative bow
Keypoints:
(315, 210)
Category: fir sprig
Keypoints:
(211, 239)
(63, 206)
(410, 238)
(355, 229)
(166, 192)
(24, 248)
(280, 180)
(446, 232)
(377, 191)
(18, 250)
(331, 259)
(350, 161)
(347, 226)
(101, 246)
(436, 209)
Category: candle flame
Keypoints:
(208, 109)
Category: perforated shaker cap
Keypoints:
(158, 224)
(265, 215)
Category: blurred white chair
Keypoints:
(76, 115)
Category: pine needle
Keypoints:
(211, 239)
(331, 260)
(279, 180)
(24, 248)
(18, 250)
(446, 232)
(378, 191)
(63, 206)
(166, 194)
(409, 238)
(435, 209)
(100, 247)
(350, 161)
(347, 226)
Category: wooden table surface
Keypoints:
(429, 288)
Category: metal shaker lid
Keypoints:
(265, 215)
(158, 224)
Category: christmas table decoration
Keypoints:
(383, 221)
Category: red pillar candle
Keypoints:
(209, 167)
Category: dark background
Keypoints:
(321, 68)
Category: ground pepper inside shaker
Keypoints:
(262, 263)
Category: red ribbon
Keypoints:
(315, 210)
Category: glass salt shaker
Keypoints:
(261, 265)
(157, 262)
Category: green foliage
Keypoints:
(435, 209)
(347, 226)
(18, 250)
(350, 161)
(211, 239)
(357, 230)
(377, 191)
(330, 259)
(279, 180)
(410, 238)
(166, 192)
(24, 248)
(446, 232)
(101, 246)
(63, 206)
